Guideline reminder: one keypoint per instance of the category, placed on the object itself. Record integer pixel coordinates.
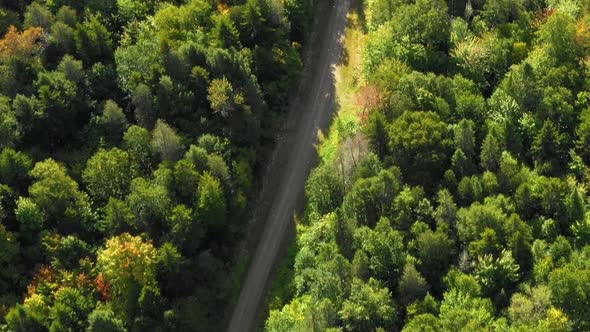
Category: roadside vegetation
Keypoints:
(452, 193)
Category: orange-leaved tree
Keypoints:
(25, 44)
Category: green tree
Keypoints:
(419, 143)
(379, 12)
(176, 23)
(324, 190)
(474, 220)
(570, 291)
(108, 174)
(112, 122)
(422, 323)
(186, 231)
(10, 129)
(150, 202)
(575, 206)
(384, 249)
(360, 266)
(297, 316)
(224, 32)
(93, 41)
(69, 310)
(211, 206)
(10, 262)
(134, 9)
(137, 56)
(446, 211)
(405, 208)
(435, 253)
(218, 168)
(583, 135)
(71, 68)
(412, 286)
(14, 169)
(497, 12)
(58, 196)
(170, 270)
(581, 232)
(511, 174)
(38, 15)
(461, 164)
(496, 274)
(61, 109)
(369, 307)
(300, 14)
(137, 142)
(186, 178)
(558, 106)
(250, 22)
(418, 33)
(61, 40)
(547, 147)
(321, 271)
(462, 312)
(222, 97)
(431, 22)
(65, 252)
(117, 217)
(67, 15)
(490, 152)
(143, 100)
(370, 199)
(529, 307)
(21, 319)
(104, 320)
(464, 137)
(377, 133)
(30, 218)
(165, 142)
(558, 35)
(9, 246)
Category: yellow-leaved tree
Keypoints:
(128, 261)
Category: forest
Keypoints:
(456, 198)
(132, 136)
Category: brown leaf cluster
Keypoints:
(25, 44)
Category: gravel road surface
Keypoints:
(282, 193)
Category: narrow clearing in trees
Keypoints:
(294, 157)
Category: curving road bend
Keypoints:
(282, 193)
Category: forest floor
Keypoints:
(282, 194)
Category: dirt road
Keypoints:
(283, 189)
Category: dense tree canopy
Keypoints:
(131, 136)
(469, 211)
